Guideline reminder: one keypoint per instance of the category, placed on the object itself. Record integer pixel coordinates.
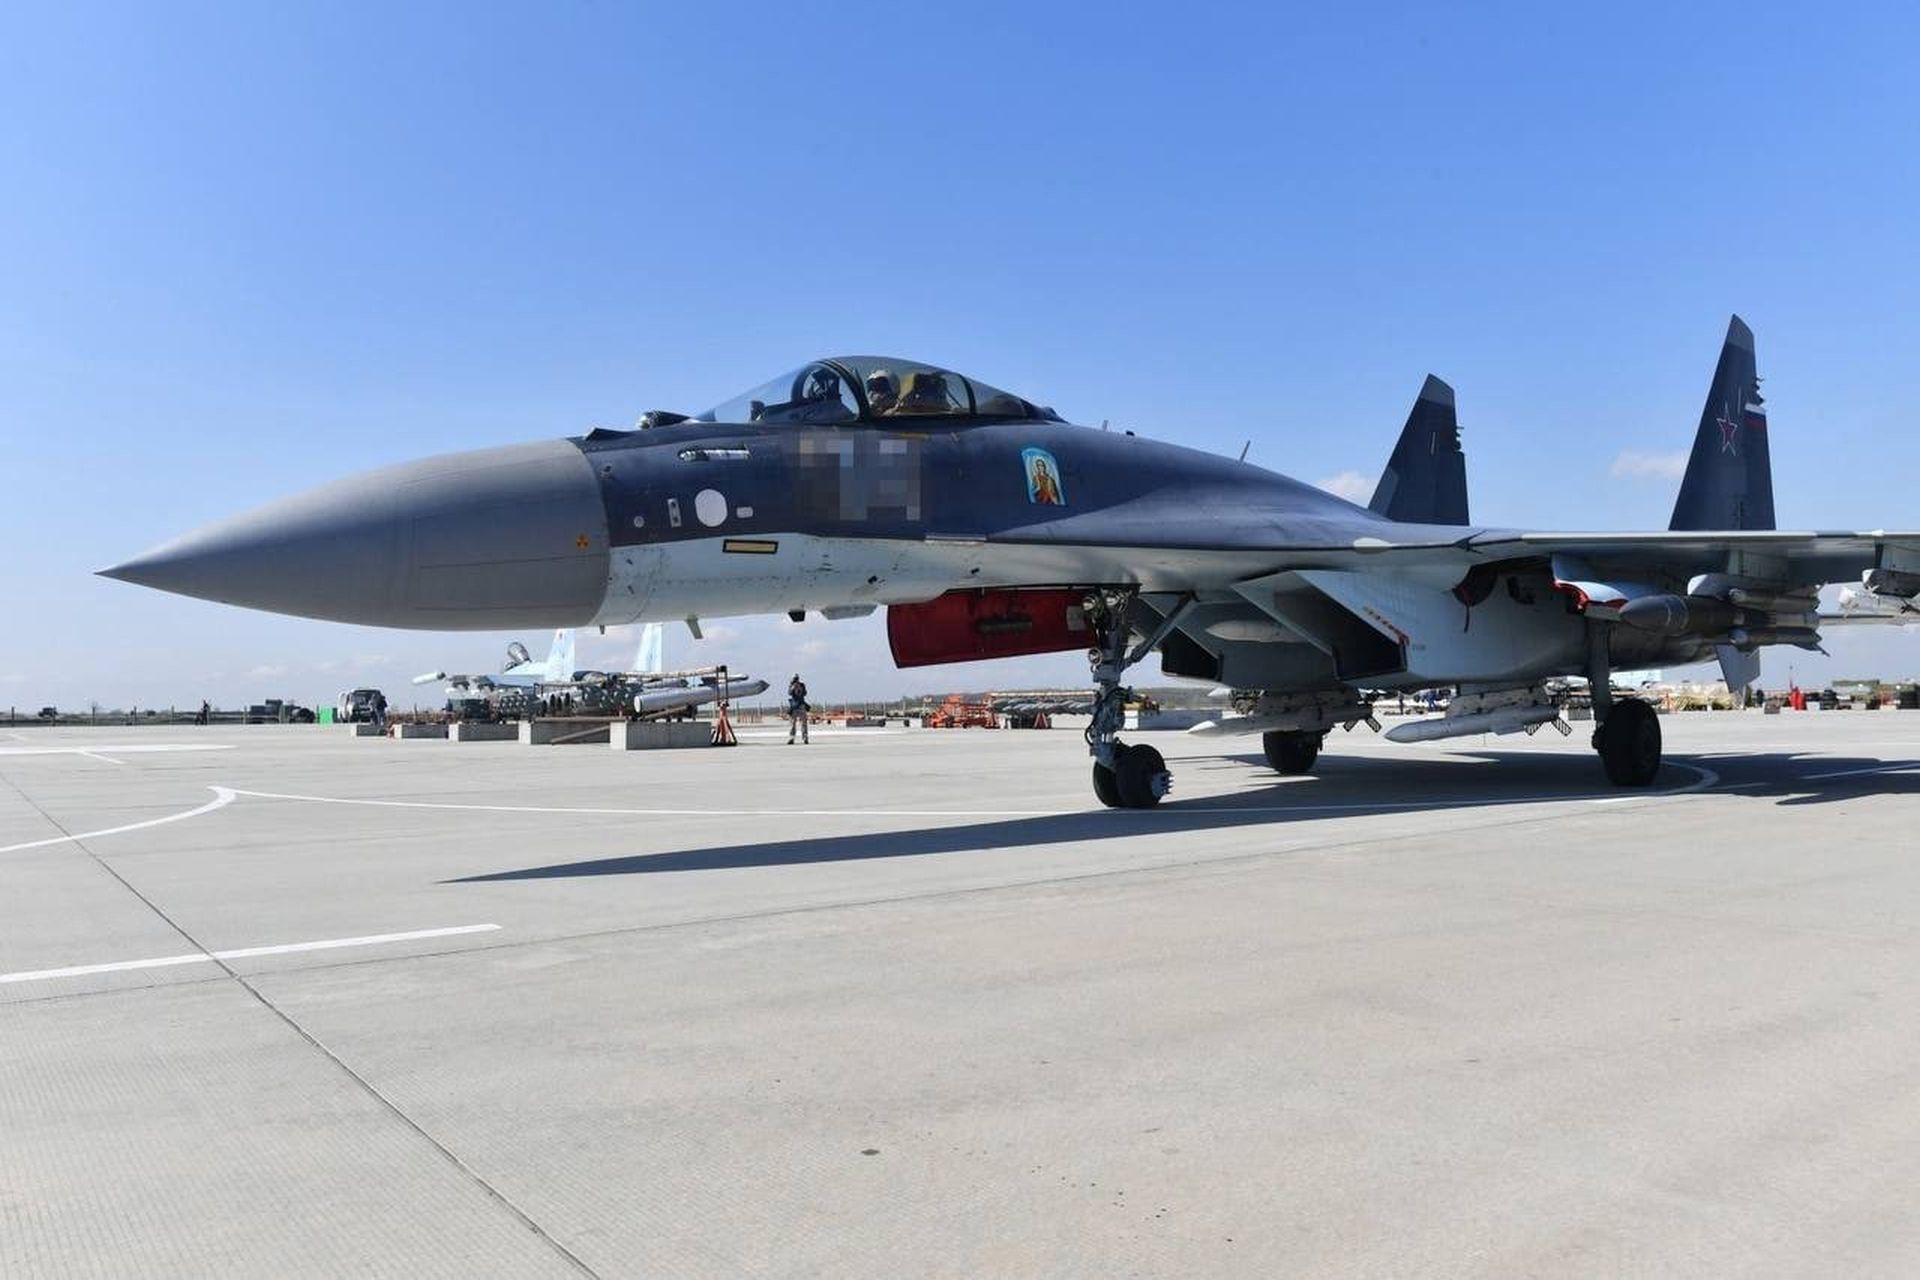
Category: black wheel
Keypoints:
(1142, 776)
(1106, 786)
(1629, 743)
(1291, 750)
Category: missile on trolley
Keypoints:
(656, 701)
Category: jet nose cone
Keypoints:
(501, 538)
(327, 553)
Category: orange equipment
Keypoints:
(957, 714)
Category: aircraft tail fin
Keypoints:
(1426, 478)
(1729, 480)
(652, 657)
(560, 657)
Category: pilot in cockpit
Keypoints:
(882, 394)
(926, 393)
(821, 384)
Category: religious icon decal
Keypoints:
(1043, 478)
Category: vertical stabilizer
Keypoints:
(560, 658)
(652, 657)
(1426, 478)
(1729, 480)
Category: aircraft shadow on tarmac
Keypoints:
(1349, 787)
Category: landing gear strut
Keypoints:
(1124, 777)
(1627, 732)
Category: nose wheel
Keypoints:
(1137, 781)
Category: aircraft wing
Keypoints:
(1783, 556)
(471, 680)
(1388, 603)
(1442, 558)
(1777, 554)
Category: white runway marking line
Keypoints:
(708, 812)
(243, 953)
(825, 733)
(222, 797)
(1707, 778)
(1895, 766)
(124, 748)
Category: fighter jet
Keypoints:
(988, 526)
(519, 671)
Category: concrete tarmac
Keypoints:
(279, 1001)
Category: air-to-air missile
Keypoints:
(654, 701)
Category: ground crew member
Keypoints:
(797, 709)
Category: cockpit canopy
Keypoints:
(871, 389)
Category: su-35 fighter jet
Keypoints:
(988, 526)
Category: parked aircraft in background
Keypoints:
(645, 689)
(519, 671)
(988, 526)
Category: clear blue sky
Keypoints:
(247, 248)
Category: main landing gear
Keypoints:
(1627, 732)
(1292, 751)
(1124, 777)
(1628, 741)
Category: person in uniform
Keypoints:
(797, 709)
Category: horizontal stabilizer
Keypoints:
(1426, 478)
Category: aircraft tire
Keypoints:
(1629, 742)
(1139, 768)
(1291, 750)
(1106, 786)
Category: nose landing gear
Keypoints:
(1124, 777)
(1136, 781)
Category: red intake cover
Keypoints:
(964, 626)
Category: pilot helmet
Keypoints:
(880, 384)
(822, 384)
